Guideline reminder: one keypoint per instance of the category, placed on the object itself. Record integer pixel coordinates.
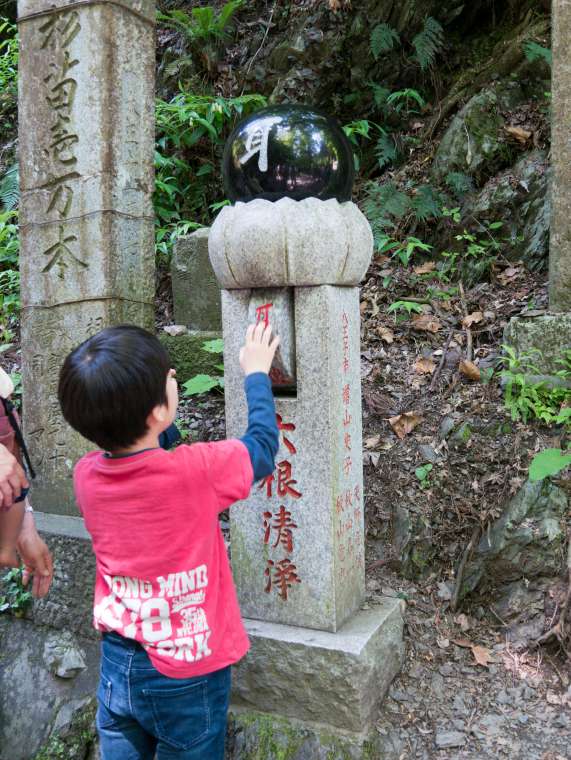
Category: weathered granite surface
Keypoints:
(262, 244)
(86, 105)
(560, 242)
(334, 679)
(549, 333)
(298, 540)
(195, 289)
(33, 699)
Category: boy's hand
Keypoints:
(258, 352)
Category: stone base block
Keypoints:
(336, 680)
(187, 355)
(549, 333)
(261, 736)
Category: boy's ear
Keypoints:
(159, 414)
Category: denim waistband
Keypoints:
(122, 641)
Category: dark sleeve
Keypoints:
(262, 436)
(169, 437)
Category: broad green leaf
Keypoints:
(200, 384)
(215, 346)
(548, 462)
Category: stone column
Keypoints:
(298, 541)
(86, 116)
(560, 244)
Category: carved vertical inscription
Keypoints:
(59, 146)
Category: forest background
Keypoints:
(447, 106)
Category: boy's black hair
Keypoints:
(109, 385)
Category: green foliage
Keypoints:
(426, 203)
(406, 250)
(386, 150)
(190, 134)
(10, 188)
(9, 271)
(548, 462)
(401, 100)
(8, 74)
(15, 598)
(525, 399)
(383, 39)
(202, 23)
(405, 306)
(203, 383)
(459, 183)
(428, 43)
(475, 254)
(535, 52)
(423, 474)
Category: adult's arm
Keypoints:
(36, 556)
(12, 477)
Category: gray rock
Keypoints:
(519, 197)
(525, 542)
(474, 142)
(550, 334)
(67, 713)
(175, 330)
(63, 656)
(445, 739)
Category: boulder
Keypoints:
(527, 541)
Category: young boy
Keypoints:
(164, 596)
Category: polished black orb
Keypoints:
(288, 151)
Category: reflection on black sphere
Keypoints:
(288, 151)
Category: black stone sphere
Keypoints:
(288, 151)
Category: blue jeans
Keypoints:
(142, 712)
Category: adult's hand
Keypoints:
(36, 557)
(12, 477)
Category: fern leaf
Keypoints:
(426, 203)
(428, 43)
(380, 94)
(535, 52)
(383, 39)
(459, 183)
(10, 188)
(386, 150)
(227, 12)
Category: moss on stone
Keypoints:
(188, 357)
(74, 741)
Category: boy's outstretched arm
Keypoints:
(262, 436)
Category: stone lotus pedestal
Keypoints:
(317, 661)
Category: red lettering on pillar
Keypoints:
(263, 313)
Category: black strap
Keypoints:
(9, 409)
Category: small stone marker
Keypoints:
(86, 106)
(196, 292)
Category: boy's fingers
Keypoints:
(267, 335)
(250, 333)
(6, 494)
(259, 331)
(275, 343)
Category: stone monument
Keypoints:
(318, 662)
(86, 115)
(551, 333)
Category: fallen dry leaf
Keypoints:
(385, 334)
(466, 643)
(426, 322)
(521, 135)
(372, 441)
(424, 366)
(469, 369)
(403, 424)
(482, 655)
(508, 275)
(428, 266)
(476, 316)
